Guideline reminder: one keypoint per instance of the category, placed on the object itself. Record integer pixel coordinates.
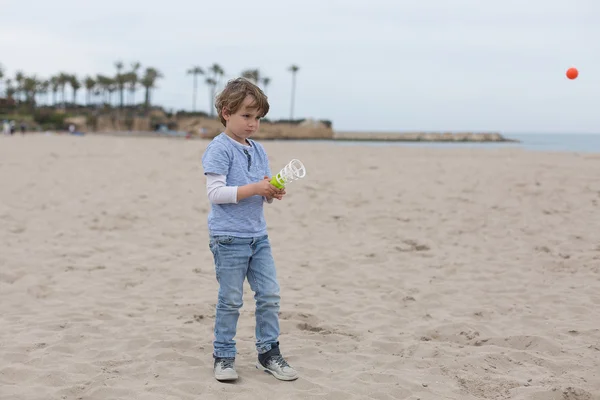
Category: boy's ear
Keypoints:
(226, 114)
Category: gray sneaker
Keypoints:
(272, 362)
(225, 369)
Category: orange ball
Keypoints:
(572, 73)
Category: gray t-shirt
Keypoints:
(241, 165)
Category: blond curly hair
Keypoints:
(234, 94)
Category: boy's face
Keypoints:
(244, 122)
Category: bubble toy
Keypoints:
(294, 170)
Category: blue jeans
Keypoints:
(235, 259)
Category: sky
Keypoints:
(378, 65)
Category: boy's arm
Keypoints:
(219, 193)
(261, 188)
(216, 163)
(217, 190)
(246, 191)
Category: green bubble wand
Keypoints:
(292, 171)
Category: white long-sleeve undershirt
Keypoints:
(218, 191)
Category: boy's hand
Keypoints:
(264, 188)
(279, 193)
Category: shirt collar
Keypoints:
(241, 146)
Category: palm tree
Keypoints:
(10, 91)
(30, 88)
(213, 81)
(1, 75)
(75, 85)
(97, 94)
(195, 71)
(89, 84)
(133, 81)
(100, 89)
(111, 86)
(252, 75)
(212, 85)
(130, 79)
(148, 82)
(54, 84)
(120, 80)
(19, 78)
(294, 69)
(44, 89)
(218, 73)
(104, 84)
(63, 79)
(266, 80)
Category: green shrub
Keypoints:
(48, 119)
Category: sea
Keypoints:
(574, 143)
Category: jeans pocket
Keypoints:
(224, 239)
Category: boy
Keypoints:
(237, 180)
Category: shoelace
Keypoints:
(279, 360)
(226, 363)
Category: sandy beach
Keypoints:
(406, 273)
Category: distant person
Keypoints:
(237, 170)
(23, 128)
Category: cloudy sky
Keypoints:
(385, 65)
